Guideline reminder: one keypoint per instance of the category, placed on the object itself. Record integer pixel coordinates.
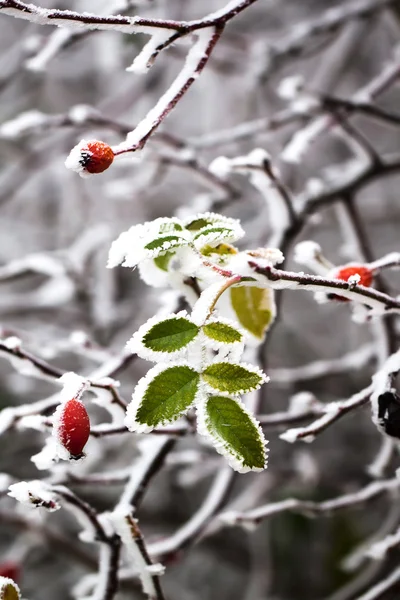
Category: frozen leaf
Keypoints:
(233, 379)
(216, 234)
(164, 244)
(222, 332)
(255, 309)
(234, 432)
(9, 589)
(163, 261)
(170, 335)
(162, 396)
(164, 339)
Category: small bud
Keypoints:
(364, 275)
(72, 427)
(90, 157)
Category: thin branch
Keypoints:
(382, 303)
(124, 24)
(331, 21)
(190, 532)
(377, 590)
(325, 367)
(352, 107)
(54, 539)
(332, 413)
(309, 508)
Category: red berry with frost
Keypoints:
(344, 273)
(90, 157)
(73, 427)
(10, 569)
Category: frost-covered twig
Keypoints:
(310, 508)
(190, 531)
(196, 60)
(305, 137)
(61, 38)
(278, 279)
(100, 378)
(332, 412)
(322, 368)
(60, 543)
(383, 586)
(329, 22)
(124, 24)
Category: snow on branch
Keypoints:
(283, 280)
(124, 24)
(309, 508)
(196, 60)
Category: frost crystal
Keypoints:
(76, 159)
(73, 386)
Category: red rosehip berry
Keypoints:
(344, 273)
(73, 427)
(98, 157)
(90, 157)
(10, 569)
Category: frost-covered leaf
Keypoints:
(233, 379)
(9, 589)
(208, 218)
(162, 396)
(215, 234)
(222, 332)
(255, 309)
(199, 223)
(147, 241)
(164, 244)
(234, 432)
(163, 339)
(163, 261)
(170, 335)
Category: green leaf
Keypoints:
(214, 233)
(231, 378)
(198, 224)
(163, 261)
(170, 335)
(165, 243)
(221, 332)
(161, 397)
(8, 589)
(234, 432)
(254, 308)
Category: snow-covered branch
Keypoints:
(309, 508)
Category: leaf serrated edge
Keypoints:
(136, 346)
(138, 394)
(222, 447)
(252, 368)
(215, 344)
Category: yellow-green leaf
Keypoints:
(9, 589)
(254, 308)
